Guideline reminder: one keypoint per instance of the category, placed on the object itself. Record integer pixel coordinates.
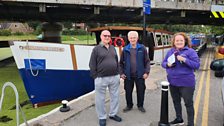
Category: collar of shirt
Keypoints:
(102, 45)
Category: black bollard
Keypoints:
(64, 107)
(164, 118)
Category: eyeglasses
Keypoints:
(106, 36)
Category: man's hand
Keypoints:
(145, 75)
(123, 76)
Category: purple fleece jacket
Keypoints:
(182, 74)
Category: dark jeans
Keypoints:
(187, 94)
(140, 87)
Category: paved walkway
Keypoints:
(83, 113)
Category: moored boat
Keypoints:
(52, 72)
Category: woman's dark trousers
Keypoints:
(187, 94)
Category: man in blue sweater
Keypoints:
(134, 68)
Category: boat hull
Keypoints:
(56, 85)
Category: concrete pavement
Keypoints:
(83, 113)
(209, 111)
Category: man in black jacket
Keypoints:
(135, 67)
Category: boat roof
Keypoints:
(126, 28)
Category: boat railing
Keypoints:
(10, 84)
(31, 69)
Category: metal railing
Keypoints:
(10, 84)
(214, 2)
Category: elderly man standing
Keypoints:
(135, 67)
(104, 68)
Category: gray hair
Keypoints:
(133, 33)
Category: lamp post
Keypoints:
(146, 10)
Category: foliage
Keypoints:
(67, 25)
(92, 25)
(34, 24)
(74, 32)
(217, 30)
(5, 32)
(176, 28)
(18, 33)
(68, 30)
(184, 28)
(38, 30)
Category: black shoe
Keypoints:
(177, 122)
(126, 109)
(102, 122)
(141, 109)
(116, 118)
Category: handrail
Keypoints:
(30, 65)
(10, 84)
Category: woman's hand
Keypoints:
(181, 58)
(169, 64)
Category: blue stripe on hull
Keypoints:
(53, 85)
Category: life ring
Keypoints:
(118, 41)
(111, 42)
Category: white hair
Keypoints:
(133, 33)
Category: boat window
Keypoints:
(167, 40)
(159, 40)
(164, 40)
(150, 39)
(219, 40)
(150, 44)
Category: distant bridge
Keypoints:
(110, 11)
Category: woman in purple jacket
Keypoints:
(180, 63)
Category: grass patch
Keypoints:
(18, 37)
(5, 53)
(10, 73)
(76, 39)
(80, 39)
(33, 37)
(84, 42)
